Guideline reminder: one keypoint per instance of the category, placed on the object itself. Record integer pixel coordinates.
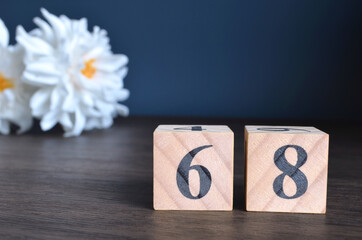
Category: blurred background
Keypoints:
(213, 58)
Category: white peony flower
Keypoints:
(14, 100)
(79, 79)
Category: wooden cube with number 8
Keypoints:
(286, 169)
(193, 167)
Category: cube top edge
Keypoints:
(194, 128)
(283, 129)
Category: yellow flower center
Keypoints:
(5, 83)
(89, 70)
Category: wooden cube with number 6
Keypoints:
(286, 169)
(193, 167)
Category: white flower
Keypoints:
(14, 100)
(79, 79)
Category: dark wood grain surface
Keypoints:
(99, 186)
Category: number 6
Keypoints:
(183, 171)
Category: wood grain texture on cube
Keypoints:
(261, 143)
(171, 144)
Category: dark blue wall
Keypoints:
(267, 59)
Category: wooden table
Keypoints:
(99, 186)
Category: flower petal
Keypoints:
(93, 53)
(111, 63)
(68, 104)
(92, 123)
(122, 73)
(55, 99)
(122, 110)
(107, 121)
(82, 25)
(122, 95)
(87, 99)
(4, 34)
(78, 126)
(104, 107)
(91, 113)
(39, 102)
(32, 44)
(66, 121)
(24, 121)
(58, 26)
(9, 95)
(49, 120)
(39, 79)
(4, 126)
(46, 29)
(44, 66)
(66, 22)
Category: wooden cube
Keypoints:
(193, 167)
(286, 169)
